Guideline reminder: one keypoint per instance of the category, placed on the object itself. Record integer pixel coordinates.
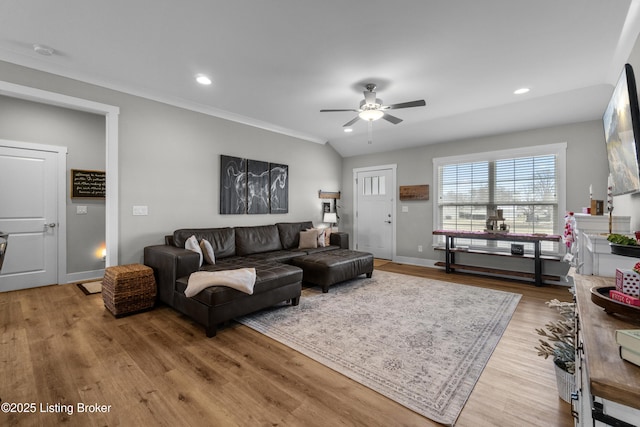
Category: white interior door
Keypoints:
(375, 211)
(29, 214)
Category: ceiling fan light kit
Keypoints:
(371, 115)
(372, 108)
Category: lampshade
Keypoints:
(371, 115)
(330, 217)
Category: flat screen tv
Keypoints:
(621, 131)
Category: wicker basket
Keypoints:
(128, 289)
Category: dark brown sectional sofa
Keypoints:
(271, 249)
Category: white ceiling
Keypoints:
(276, 63)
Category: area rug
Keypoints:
(90, 288)
(420, 342)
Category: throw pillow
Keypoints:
(207, 252)
(308, 239)
(192, 245)
(322, 237)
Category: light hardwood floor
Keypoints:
(58, 346)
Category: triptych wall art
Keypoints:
(253, 186)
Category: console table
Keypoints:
(450, 249)
(607, 387)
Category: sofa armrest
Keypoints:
(169, 263)
(339, 239)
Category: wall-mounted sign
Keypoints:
(88, 184)
(414, 192)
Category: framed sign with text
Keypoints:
(88, 184)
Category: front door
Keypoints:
(29, 214)
(374, 212)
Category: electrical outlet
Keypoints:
(419, 248)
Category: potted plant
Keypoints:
(558, 342)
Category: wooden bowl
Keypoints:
(600, 296)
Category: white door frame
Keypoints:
(110, 113)
(393, 168)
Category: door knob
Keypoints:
(50, 225)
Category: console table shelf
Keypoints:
(451, 250)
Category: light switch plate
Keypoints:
(140, 210)
(405, 209)
(81, 210)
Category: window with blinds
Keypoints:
(525, 188)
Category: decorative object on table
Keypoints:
(517, 249)
(597, 207)
(629, 338)
(628, 280)
(629, 356)
(624, 298)
(600, 297)
(623, 245)
(558, 342)
(496, 222)
(330, 218)
(569, 236)
(629, 344)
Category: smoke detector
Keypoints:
(43, 50)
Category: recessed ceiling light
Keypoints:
(347, 130)
(203, 80)
(43, 50)
(521, 91)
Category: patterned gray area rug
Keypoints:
(420, 342)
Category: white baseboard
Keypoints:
(83, 276)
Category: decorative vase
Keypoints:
(566, 383)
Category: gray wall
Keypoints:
(586, 164)
(83, 134)
(169, 161)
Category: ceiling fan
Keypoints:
(371, 108)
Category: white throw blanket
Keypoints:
(241, 279)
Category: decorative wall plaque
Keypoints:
(414, 192)
(88, 184)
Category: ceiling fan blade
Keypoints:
(392, 119)
(333, 111)
(419, 103)
(349, 123)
